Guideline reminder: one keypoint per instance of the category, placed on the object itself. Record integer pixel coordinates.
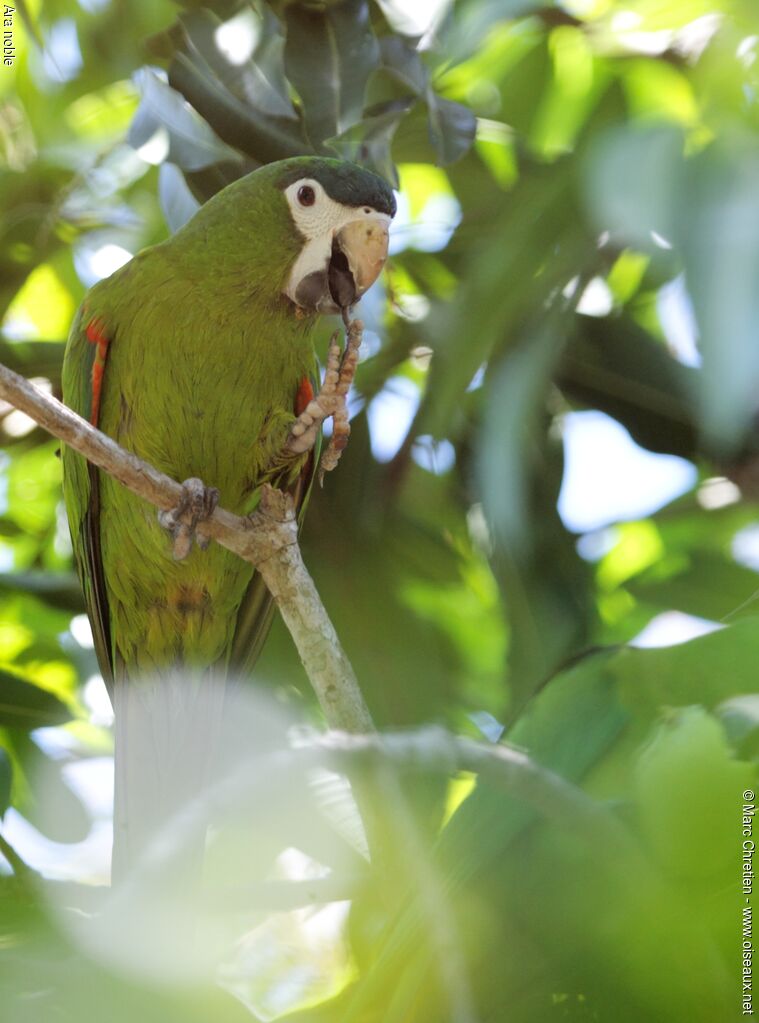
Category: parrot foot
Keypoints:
(330, 401)
(196, 504)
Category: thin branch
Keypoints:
(254, 785)
(430, 750)
(268, 539)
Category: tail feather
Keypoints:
(167, 729)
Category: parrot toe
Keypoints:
(196, 504)
(330, 401)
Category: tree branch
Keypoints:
(268, 539)
(427, 750)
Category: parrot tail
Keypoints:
(167, 730)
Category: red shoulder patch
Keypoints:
(96, 335)
(304, 396)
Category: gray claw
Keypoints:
(196, 505)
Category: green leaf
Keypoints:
(688, 673)
(705, 583)
(27, 706)
(515, 397)
(740, 719)
(632, 177)
(687, 787)
(329, 55)
(509, 276)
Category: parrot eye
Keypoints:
(306, 195)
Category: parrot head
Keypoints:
(310, 230)
(342, 213)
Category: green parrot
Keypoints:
(197, 356)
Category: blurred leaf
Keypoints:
(6, 779)
(718, 226)
(370, 143)
(612, 364)
(33, 358)
(239, 124)
(632, 177)
(177, 201)
(686, 787)
(452, 127)
(516, 394)
(403, 63)
(508, 279)
(27, 706)
(30, 24)
(57, 590)
(689, 673)
(329, 55)
(45, 799)
(192, 143)
(740, 719)
(708, 585)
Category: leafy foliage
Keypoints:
(541, 154)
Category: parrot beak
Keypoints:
(348, 261)
(359, 250)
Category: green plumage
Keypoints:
(203, 357)
(203, 364)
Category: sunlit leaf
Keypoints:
(27, 706)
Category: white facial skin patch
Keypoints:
(318, 219)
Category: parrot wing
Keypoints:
(83, 376)
(83, 373)
(256, 611)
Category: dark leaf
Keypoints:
(59, 590)
(370, 142)
(452, 127)
(401, 61)
(530, 251)
(248, 82)
(614, 365)
(515, 400)
(33, 358)
(6, 779)
(238, 124)
(329, 55)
